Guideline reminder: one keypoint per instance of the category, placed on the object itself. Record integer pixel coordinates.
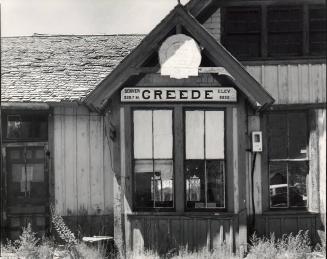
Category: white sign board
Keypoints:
(179, 94)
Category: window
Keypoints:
(288, 160)
(153, 159)
(243, 25)
(285, 29)
(318, 30)
(204, 159)
(22, 126)
(275, 31)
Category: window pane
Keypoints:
(298, 172)
(297, 123)
(277, 128)
(278, 185)
(162, 183)
(318, 29)
(284, 31)
(143, 174)
(163, 134)
(214, 135)
(241, 31)
(195, 183)
(27, 127)
(216, 184)
(194, 128)
(143, 134)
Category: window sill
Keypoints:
(289, 212)
(181, 214)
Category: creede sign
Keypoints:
(179, 94)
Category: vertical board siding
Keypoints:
(82, 169)
(292, 83)
(322, 164)
(163, 233)
(213, 25)
(281, 224)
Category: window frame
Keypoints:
(288, 161)
(133, 185)
(214, 209)
(22, 113)
(305, 7)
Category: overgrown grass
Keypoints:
(290, 246)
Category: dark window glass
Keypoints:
(27, 127)
(285, 31)
(288, 160)
(205, 159)
(153, 159)
(242, 32)
(318, 30)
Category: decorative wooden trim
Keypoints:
(257, 95)
(295, 60)
(25, 106)
(280, 107)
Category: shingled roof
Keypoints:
(59, 68)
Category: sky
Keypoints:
(80, 17)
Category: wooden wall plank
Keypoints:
(70, 160)
(201, 230)
(313, 188)
(216, 238)
(292, 83)
(138, 241)
(322, 165)
(282, 84)
(271, 80)
(274, 226)
(304, 89)
(58, 169)
(83, 165)
(96, 164)
(77, 173)
(256, 72)
(163, 231)
(108, 173)
(176, 233)
(290, 225)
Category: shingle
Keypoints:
(59, 68)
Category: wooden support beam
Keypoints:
(25, 106)
(202, 70)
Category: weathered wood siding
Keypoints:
(283, 223)
(82, 170)
(292, 83)
(163, 233)
(213, 25)
(322, 164)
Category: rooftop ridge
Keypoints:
(39, 35)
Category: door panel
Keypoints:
(27, 189)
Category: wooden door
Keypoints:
(27, 189)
